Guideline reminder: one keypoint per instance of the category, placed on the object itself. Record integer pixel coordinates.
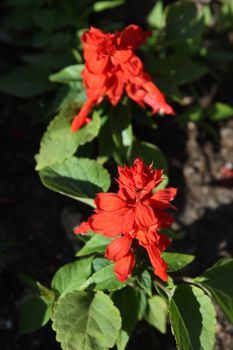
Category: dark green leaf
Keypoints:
(105, 5)
(34, 313)
(193, 318)
(182, 21)
(156, 313)
(145, 282)
(156, 17)
(177, 261)
(86, 321)
(218, 280)
(127, 303)
(27, 81)
(79, 178)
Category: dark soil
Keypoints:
(35, 222)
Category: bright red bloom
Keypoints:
(110, 66)
(134, 212)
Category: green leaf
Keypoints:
(127, 303)
(86, 321)
(104, 279)
(71, 276)
(220, 111)
(106, 5)
(99, 263)
(120, 125)
(26, 81)
(156, 17)
(68, 74)
(96, 244)
(182, 69)
(193, 318)
(177, 261)
(145, 282)
(182, 21)
(156, 313)
(194, 114)
(78, 178)
(34, 313)
(218, 280)
(59, 143)
(142, 303)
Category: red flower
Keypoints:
(135, 212)
(110, 66)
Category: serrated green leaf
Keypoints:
(59, 143)
(193, 318)
(34, 313)
(96, 244)
(106, 5)
(218, 280)
(127, 303)
(156, 313)
(71, 276)
(68, 74)
(104, 279)
(220, 111)
(78, 178)
(86, 321)
(177, 261)
(26, 81)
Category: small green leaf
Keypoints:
(59, 143)
(104, 279)
(106, 5)
(34, 313)
(220, 111)
(45, 293)
(156, 313)
(218, 280)
(142, 303)
(71, 276)
(127, 303)
(96, 244)
(68, 74)
(156, 17)
(78, 178)
(193, 318)
(145, 282)
(194, 114)
(177, 261)
(26, 81)
(86, 321)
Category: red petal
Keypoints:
(144, 215)
(108, 225)
(128, 221)
(81, 118)
(133, 67)
(121, 56)
(161, 198)
(132, 37)
(109, 202)
(124, 267)
(97, 64)
(93, 81)
(82, 228)
(118, 248)
(157, 262)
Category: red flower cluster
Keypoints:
(110, 66)
(135, 212)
